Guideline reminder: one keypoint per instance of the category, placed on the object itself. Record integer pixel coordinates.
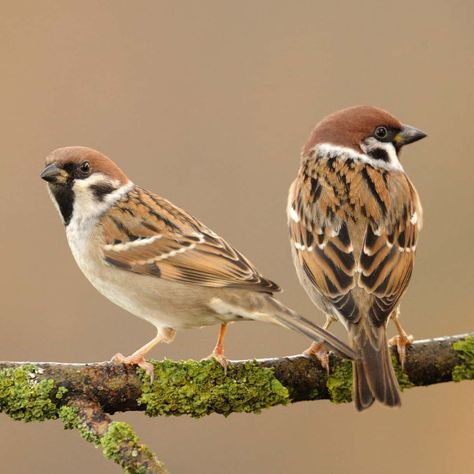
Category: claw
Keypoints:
(135, 359)
(401, 341)
(318, 350)
(218, 352)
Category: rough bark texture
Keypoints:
(81, 394)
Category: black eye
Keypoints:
(85, 167)
(381, 132)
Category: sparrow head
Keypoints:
(366, 130)
(80, 178)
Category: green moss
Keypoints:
(121, 438)
(402, 377)
(24, 397)
(71, 420)
(199, 388)
(120, 444)
(68, 415)
(465, 350)
(339, 382)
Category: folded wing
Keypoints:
(148, 235)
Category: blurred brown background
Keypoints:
(208, 104)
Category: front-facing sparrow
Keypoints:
(157, 261)
(354, 219)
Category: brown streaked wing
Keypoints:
(323, 246)
(388, 257)
(146, 234)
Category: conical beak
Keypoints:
(53, 174)
(409, 134)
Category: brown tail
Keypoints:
(284, 316)
(374, 377)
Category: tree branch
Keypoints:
(81, 394)
(117, 439)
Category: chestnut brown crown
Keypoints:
(350, 127)
(79, 162)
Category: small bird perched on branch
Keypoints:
(157, 261)
(354, 218)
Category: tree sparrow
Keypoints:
(354, 218)
(157, 261)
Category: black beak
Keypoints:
(408, 135)
(51, 173)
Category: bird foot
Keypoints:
(135, 359)
(221, 358)
(401, 341)
(318, 350)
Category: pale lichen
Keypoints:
(200, 388)
(465, 350)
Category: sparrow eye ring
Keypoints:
(381, 132)
(85, 167)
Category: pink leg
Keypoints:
(402, 340)
(138, 357)
(318, 350)
(218, 352)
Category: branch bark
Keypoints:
(118, 440)
(82, 394)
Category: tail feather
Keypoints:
(291, 320)
(362, 395)
(374, 377)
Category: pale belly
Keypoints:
(164, 304)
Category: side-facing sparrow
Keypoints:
(157, 261)
(354, 219)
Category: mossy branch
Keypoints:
(81, 394)
(117, 439)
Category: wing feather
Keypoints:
(355, 230)
(388, 258)
(322, 245)
(148, 235)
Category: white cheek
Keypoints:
(85, 205)
(95, 178)
(326, 151)
(371, 144)
(87, 208)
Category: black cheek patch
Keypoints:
(101, 190)
(379, 154)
